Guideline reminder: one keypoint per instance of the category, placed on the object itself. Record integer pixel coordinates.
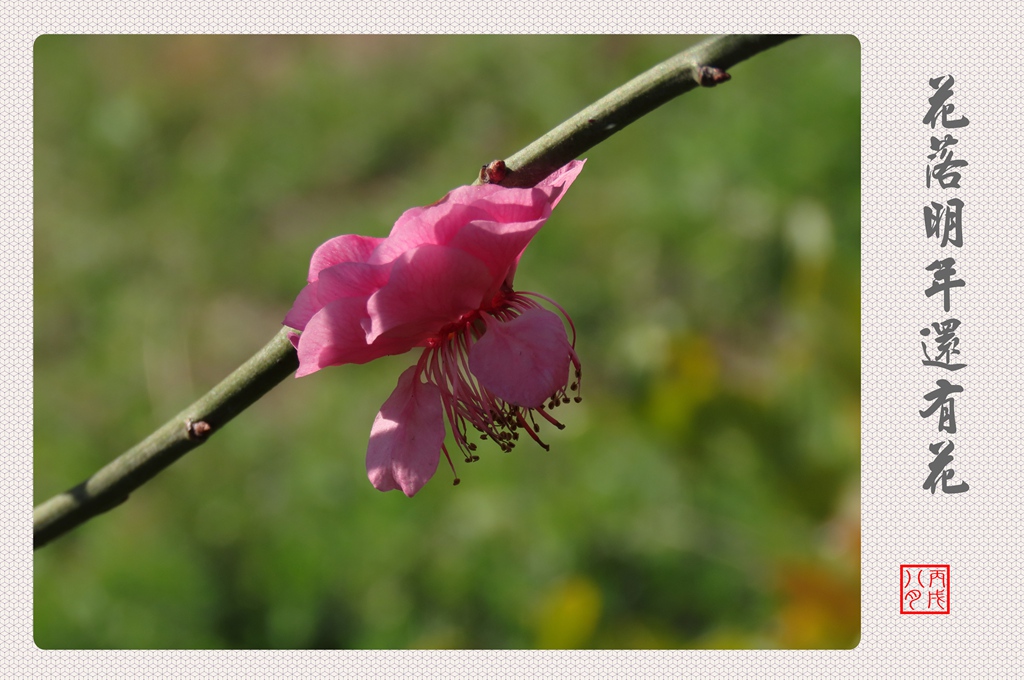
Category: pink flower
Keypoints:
(493, 358)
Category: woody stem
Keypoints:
(703, 64)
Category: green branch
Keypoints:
(704, 64)
(110, 486)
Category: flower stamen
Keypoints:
(467, 403)
(456, 480)
(532, 433)
(551, 420)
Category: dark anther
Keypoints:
(493, 172)
(197, 429)
(455, 482)
(709, 76)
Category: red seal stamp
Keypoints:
(924, 589)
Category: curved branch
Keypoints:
(702, 65)
(111, 485)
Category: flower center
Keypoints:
(503, 300)
(467, 403)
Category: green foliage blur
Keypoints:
(705, 493)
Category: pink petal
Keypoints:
(515, 204)
(335, 336)
(406, 437)
(346, 248)
(433, 225)
(513, 213)
(556, 184)
(305, 306)
(502, 247)
(523, 361)
(469, 193)
(462, 194)
(351, 279)
(498, 245)
(511, 275)
(430, 286)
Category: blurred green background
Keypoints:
(704, 494)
